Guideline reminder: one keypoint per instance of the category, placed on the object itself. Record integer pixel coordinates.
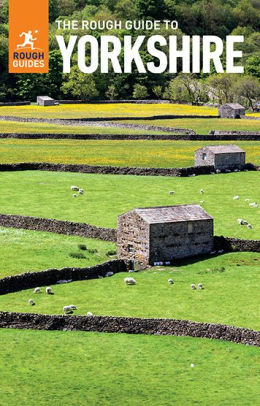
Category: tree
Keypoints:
(158, 91)
(253, 66)
(150, 8)
(5, 11)
(79, 85)
(53, 10)
(140, 91)
(111, 92)
(187, 88)
(248, 87)
(220, 87)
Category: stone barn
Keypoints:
(46, 101)
(231, 110)
(221, 157)
(163, 234)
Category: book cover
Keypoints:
(129, 202)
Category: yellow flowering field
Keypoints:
(106, 110)
(115, 153)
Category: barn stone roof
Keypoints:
(172, 214)
(222, 149)
(45, 98)
(235, 106)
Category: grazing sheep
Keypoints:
(69, 309)
(89, 314)
(131, 271)
(171, 192)
(130, 281)
(74, 188)
(31, 302)
(235, 197)
(109, 273)
(193, 286)
(201, 191)
(48, 290)
(170, 281)
(218, 171)
(253, 204)
(37, 290)
(81, 191)
(242, 222)
(200, 285)
(74, 195)
(249, 226)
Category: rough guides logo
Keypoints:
(28, 36)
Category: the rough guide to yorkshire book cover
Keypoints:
(129, 202)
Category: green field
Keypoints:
(162, 154)
(230, 296)
(203, 126)
(77, 368)
(48, 194)
(106, 110)
(24, 251)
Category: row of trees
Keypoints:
(240, 19)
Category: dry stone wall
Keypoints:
(129, 325)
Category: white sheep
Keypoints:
(37, 290)
(201, 191)
(109, 273)
(48, 290)
(69, 309)
(130, 281)
(74, 188)
(242, 222)
(253, 204)
(170, 281)
(193, 286)
(249, 226)
(81, 191)
(202, 201)
(200, 285)
(31, 302)
(218, 171)
(89, 314)
(131, 271)
(236, 197)
(73, 307)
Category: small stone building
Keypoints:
(163, 234)
(221, 157)
(46, 101)
(231, 110)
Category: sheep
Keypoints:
(193, 286)
(170, 281)
(242, 222)
(73, 307)
(202, 201)
(69, 309)
(109, 273)
(171, 192)
(253, 204)
(48, 290)
(31, 302)
(218, 171)
(37, 290)
(236, 198)
(74, 188)
(89, 314)
(81, 191)
(200, 286)
(249, 226)
(74, 195)
(131, 271)
(130, 281)
(201, 191)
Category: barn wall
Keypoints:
(170, 241)
(209, 161)
(133, 231)
(229, 161)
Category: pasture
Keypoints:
(27, 251)
(76, 368)
(48, 194)
(158, 154)
(230, 296)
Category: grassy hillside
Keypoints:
(161, 154)
(73, 368)
(230, 295)
(48, 194)
(24, 251)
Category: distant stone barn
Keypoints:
(46, 101)
(221, 157)
(163, 234)
(231, 110)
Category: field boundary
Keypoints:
(29, 280)
(232, 136)
(227, 244)
(128, 325)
